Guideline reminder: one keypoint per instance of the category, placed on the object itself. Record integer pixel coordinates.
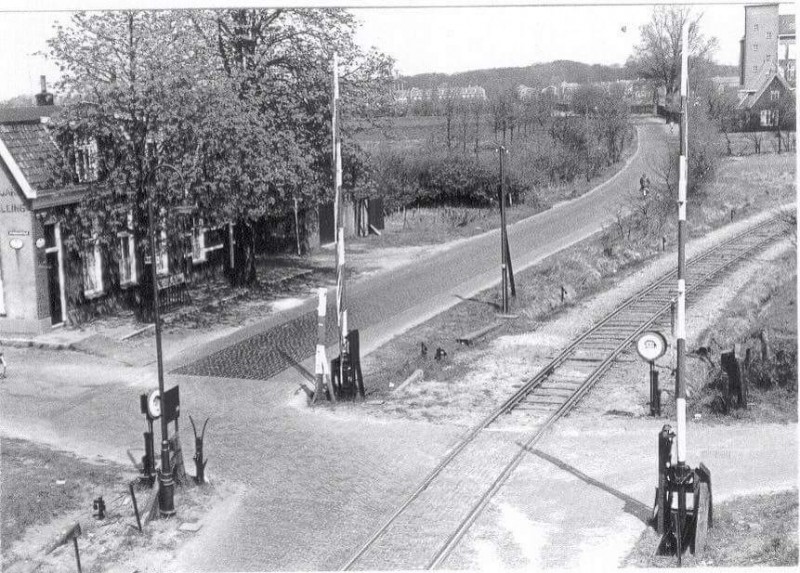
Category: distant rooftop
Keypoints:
(27, 114)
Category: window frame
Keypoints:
(86, 163)
(94, 271)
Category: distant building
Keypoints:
(640, 95)
(768, 45)
(409, 99)
(767, 66)
(725, 83)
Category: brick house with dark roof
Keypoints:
(43, 282)
(31, 262)
(48, 278)
(767, 108)
(767, 73)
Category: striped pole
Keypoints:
(680, 376)
(682, 471)
(321, 369)
(341, 307)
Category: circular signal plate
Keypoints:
(651, 345)
(154, 404)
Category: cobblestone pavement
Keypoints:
(264, 355)
(401, 297)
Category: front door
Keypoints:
(54, 284)
(52, 249)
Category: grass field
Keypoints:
(38, 485)
(44, 491)
(749, 531)
(584, 269)
(434, 225)
(768, 303)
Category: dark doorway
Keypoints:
(327, 231)
(51, 248)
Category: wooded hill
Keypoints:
(536, 75)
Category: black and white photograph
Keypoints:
(399, 285)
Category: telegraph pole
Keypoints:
(166, 483)
(503, 237)
(506, 269)
(682, 471)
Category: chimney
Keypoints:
(44, 98)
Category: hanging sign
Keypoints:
(651, 345)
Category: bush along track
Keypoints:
(547, 289)
(748, 369)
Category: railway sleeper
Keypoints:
(542, 400)
(561, 386)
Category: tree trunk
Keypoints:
(736, 390)
(244, 255)
(765, 350)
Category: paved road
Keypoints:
(304, 510)
(389, 303)
(315, 484)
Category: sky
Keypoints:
(431, 39)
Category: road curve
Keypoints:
(386, 304)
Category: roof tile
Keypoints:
(33, 149)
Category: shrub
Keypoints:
(454, 180)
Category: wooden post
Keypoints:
(135, 507)
(297, 226)
(77, 554)
(178, 467)
(731, 366)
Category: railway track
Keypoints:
(424, 530)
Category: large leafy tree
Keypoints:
(276, 114)
(236, 100)
(131, 82)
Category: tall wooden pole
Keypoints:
(166, 484)
(680, 376)
(503, 237)
(341, 307)
(682, 471)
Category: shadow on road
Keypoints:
(632, 506)
(493, 305)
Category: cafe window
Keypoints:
(127, 254)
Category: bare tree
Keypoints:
(658, 54)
